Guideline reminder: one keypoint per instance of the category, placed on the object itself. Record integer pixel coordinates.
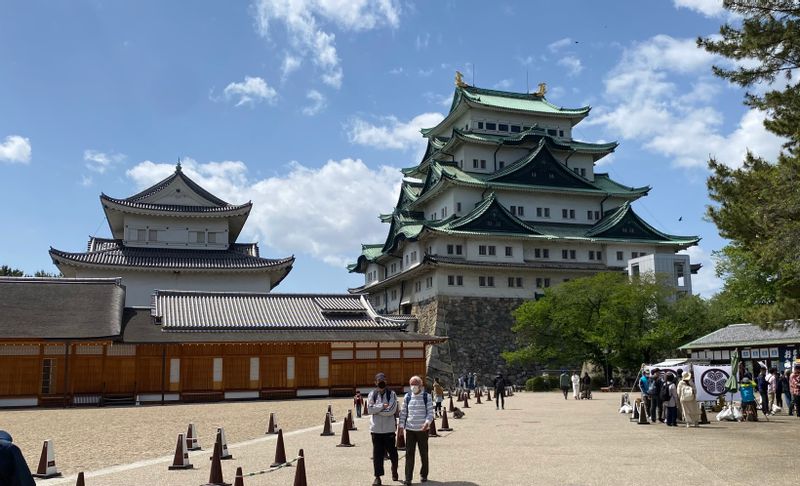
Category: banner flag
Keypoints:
(710, 382)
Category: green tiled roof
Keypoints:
(623, 222)
(514, 101)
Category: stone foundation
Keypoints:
(478, 328)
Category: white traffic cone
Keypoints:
(47, 462)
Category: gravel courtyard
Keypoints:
(538, 439)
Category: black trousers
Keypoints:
(565, 389)
(381, 444)
(796, 404)
(416, 439)
(499, 397)
(765, 403)
(655, 409)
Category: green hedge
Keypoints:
(537, 384)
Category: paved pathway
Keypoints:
(539, 439)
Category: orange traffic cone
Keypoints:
(365, 410)
(432, 429)
(478, 399)
(191, 439)
(445, 423)
(330, 412)
(181, 460)
(635, 415)
(326, 430)
(300, 473)
(466, 402)
(223, 442)
(272, 428)
(280, 451)
(215, 475)
(643, 416)
(47, 462)
(80, 481)
(450, 407)
(351, 424)
(345, 442)
(703, 416)
(400, 443)
(239, 481)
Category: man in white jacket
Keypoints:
(416, 416)
(576, 385)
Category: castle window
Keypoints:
(589, 215)
(483, 164)
(152, 235)
(480, 125)
(561, 133)
(481, 249)
(197, 237)
(503, 127)
(458, 249)
(509, 251)
(460, 280)
(492, 250)
(451, 280)
(552, 132)
(591, 254)
(474, 163)
(458, 207)
(491, 126)
(564, 213)
(515, 128)
(141, 235)
(583, 172)
(449, 249)
(501, 164)
(429, 282)
(571, 214)
(619, 256)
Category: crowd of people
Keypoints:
(581, 385)
(769, 392)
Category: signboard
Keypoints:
(710, 382)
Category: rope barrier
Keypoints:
(273, 469)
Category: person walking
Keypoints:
(687, 394)
(13, 468)
(749, 409)
(416, 416)
(672, 403)
(499, 391)
(787, 391)
(358, 403)
(794, 386)
(576, 385)
(564, 382)
(763, 390)
(438, 396)
(586, 385)
(382, 405)
(772, 382)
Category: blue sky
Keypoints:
(309, 107)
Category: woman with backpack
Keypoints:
(670, 399)
(687, 393)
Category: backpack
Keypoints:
(687, 393)
(424, 398)
(651, 387)
(664, 394)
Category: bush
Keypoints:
(537, 384)
(554, 382)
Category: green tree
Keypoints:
(43, 273)
(606, 318)
(766, 48)
(6, 271)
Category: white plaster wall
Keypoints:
(174, 232)
(139, 286)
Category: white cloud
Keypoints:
(393, 133)
(660, 94)
(425, 72)
(442, 100)
(250, 91)
(101, 162)
(705, 282)
(86, 181)
(306, 22)
(318, 103)
(560, 44)
(397, 70)
(15, 149)
(572, 63)
(709, 8)
(284, 206)
(290, 64)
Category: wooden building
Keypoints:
(73, 342)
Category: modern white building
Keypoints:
(504, 204)
(174, 235)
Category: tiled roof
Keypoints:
(516, 101)
(178, 174)
(139, 328)
(60, 308)
(227, 208)
(112, 253)
(214, 311)
(737, 335)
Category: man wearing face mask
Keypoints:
(382, 405)
(416, 415)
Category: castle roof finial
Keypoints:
(178, 165)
